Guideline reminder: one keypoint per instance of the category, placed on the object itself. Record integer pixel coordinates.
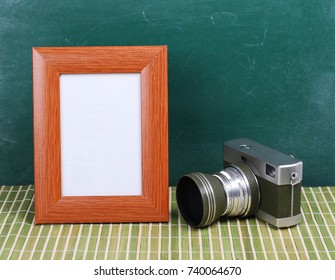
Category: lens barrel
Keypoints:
(204, 198)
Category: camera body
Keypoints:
(279, 179)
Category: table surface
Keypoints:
(230, 239)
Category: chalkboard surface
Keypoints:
(259, 69)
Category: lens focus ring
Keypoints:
(242, 188)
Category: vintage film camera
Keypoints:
(256, 180)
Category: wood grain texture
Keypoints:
(48, 65)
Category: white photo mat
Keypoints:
(100, 147)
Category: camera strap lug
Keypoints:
(295, 180)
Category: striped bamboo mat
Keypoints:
(229, 239)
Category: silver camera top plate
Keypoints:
(274, 166)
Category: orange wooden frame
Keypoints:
(48, 64)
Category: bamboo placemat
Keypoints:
(228, 239)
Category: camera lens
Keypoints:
(204, 198)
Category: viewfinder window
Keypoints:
(270, 170)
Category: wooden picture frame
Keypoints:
(151, 205)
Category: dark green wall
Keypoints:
(259, 69)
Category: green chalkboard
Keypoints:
(258, 69)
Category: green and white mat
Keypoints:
(228, 239)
